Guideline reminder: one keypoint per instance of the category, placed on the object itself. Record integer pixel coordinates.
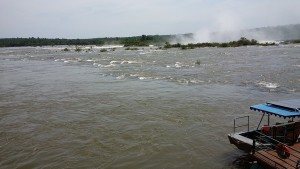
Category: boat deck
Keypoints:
(270, 158)
(239, 137)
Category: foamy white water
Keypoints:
(269, 85)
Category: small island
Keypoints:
(242, 42)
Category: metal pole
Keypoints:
(253, 146)
(260, 121)
(234, 125)
(248, 123)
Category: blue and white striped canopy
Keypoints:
(287, 108)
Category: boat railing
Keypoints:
(271, 149)
(238, 125)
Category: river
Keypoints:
(145, 108)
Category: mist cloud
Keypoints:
(111, 18)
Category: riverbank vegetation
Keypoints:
(144, 40)
(18, 42)
(136, 41)
(241, 42)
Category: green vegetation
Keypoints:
(16, 42)
(103, 50)
(242, 42)
(136, 41)
(198, 62)
(144, 40)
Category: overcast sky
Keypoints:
(119, 18)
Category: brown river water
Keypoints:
(135, 109)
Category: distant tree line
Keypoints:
(144, 40)
(136, 41)
(16, 42)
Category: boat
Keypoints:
(275, 145)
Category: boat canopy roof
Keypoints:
(287, 108)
